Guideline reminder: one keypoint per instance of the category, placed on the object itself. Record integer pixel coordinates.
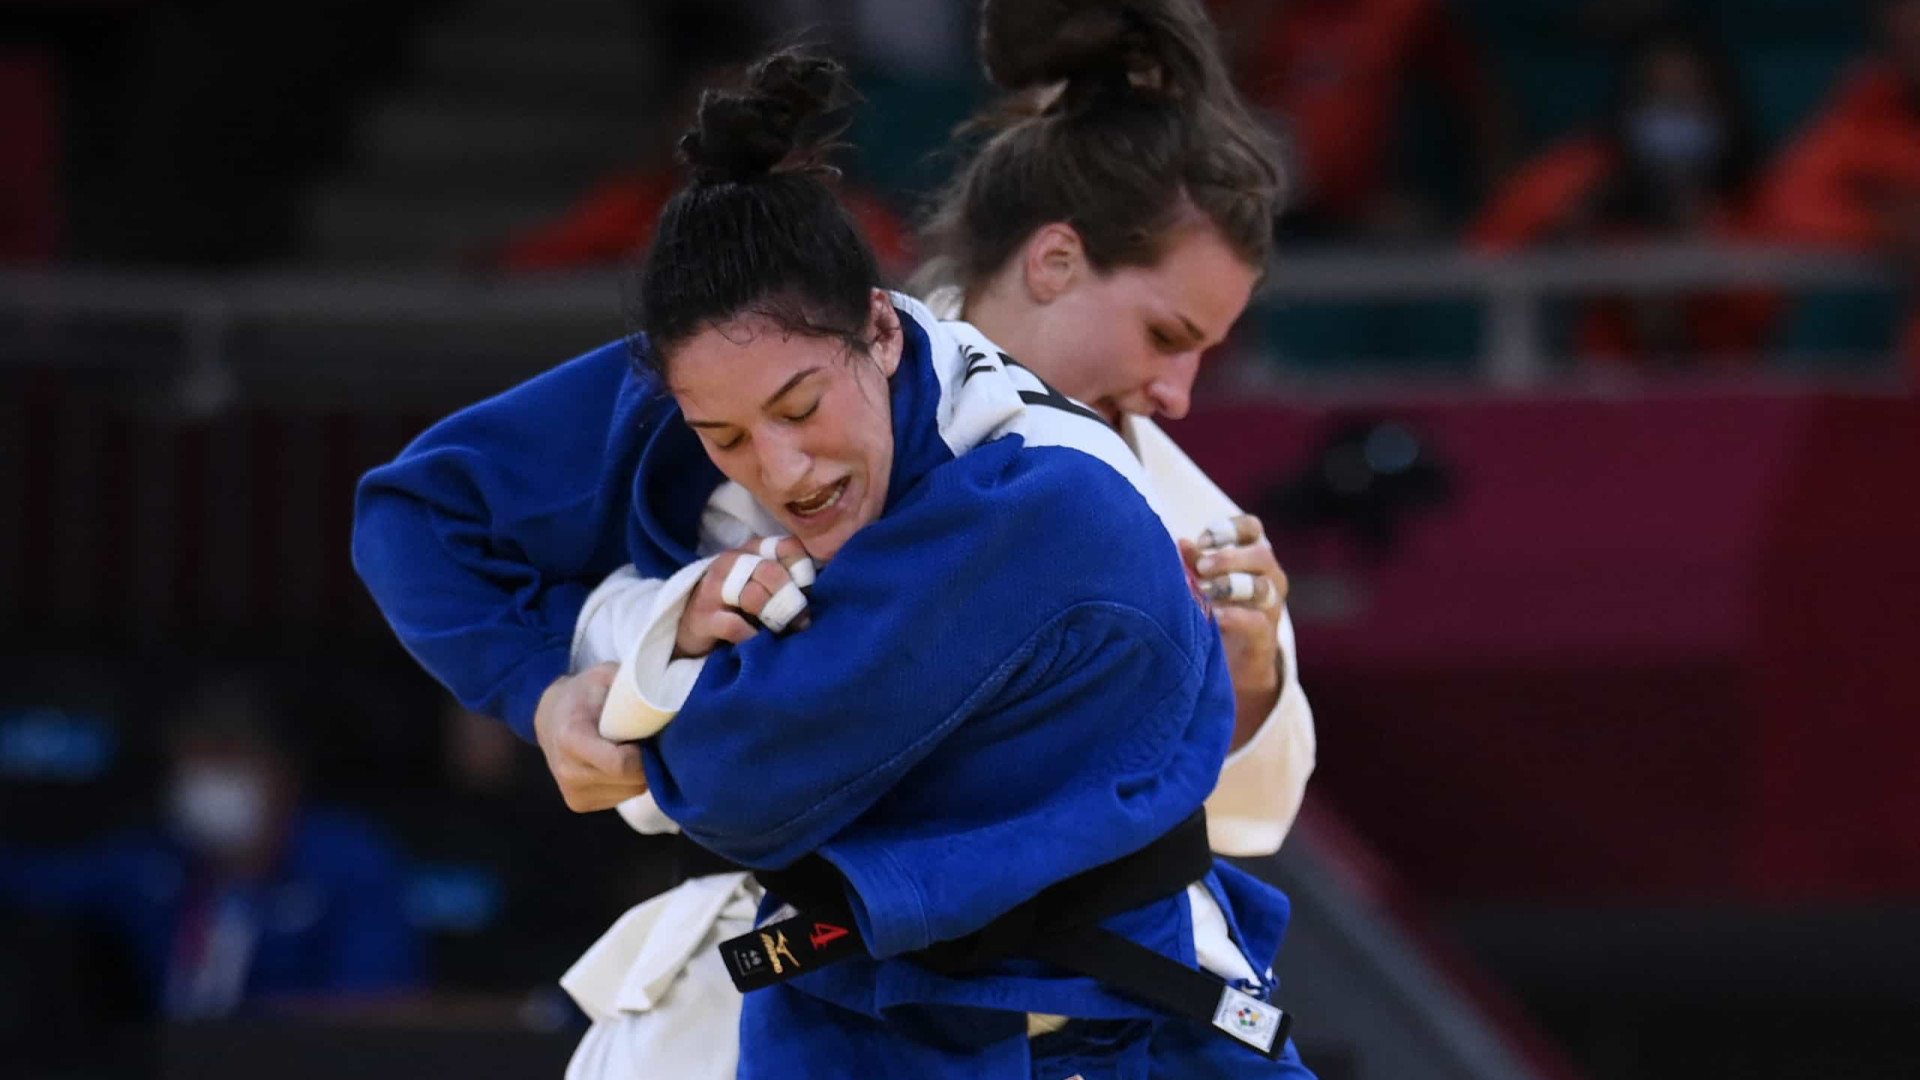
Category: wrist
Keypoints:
(1251, 709)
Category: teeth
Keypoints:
(811, 507)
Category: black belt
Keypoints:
(1058, 926)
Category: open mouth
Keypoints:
(819, 502)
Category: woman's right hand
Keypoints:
(591, 772)
(709, 620)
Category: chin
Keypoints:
(821, 549)
(823, 546)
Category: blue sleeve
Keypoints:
(1010, 585)
(483, 539)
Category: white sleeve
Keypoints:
(626, 614)
(612, 617)
(651, 685)
(1262, 783)
(634, 621)
(643, 815)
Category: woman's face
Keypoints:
(801, 422)
(1129, 341)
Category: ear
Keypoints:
(883, 329)
(1054, 262)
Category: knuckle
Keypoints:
(770, 575)
(753, 597)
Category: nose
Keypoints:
(1171, 390)
(783, 462)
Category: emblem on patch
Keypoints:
(1248, 1019)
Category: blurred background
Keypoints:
(1580, 403)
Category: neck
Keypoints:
(1008, 323)
(1015, 325)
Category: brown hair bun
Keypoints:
(793, 106)
(1134, 44)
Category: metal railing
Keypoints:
(1512, 290)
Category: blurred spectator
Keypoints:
(1852, 179)
(1674, 163)
(1339, 73)
(615, 218)
(246, 898)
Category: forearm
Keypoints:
(1252, 707)
(483, 538)
(1265, 777)
(495, 648)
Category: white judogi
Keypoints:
(654, 986)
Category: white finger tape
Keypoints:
(1240, 586)
(1219, 534)
(786, 606)
(802, 572)
(743, 568)
(802, 569)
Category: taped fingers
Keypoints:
(791, 554)
(770, 595)
(1232, 531)
(1240, 587)
(737, 577)
(801, 571)
(783, 607)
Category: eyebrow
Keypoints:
(768, 404)
(788, 385)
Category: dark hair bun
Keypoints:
(794, 105)
(1140, 44)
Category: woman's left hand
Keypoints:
(1242, 577)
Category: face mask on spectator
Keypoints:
(1676, 140)
(219, 808)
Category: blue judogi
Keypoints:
(1007, 681)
